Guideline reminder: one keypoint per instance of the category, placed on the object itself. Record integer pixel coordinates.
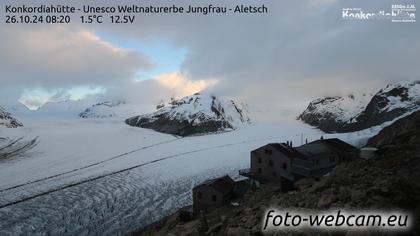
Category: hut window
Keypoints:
(259, 160)
(214, 198)
(259, 171)
(268, 151)
(199, 195)
(317, 162)
(270, 163)
(284, 166)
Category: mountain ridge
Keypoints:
(109, 109)
(195, 114)
(333, 114)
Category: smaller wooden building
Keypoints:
(212, 194)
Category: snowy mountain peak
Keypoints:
(196, 107)
(7, 120)
(402, 84)
(356, 112)
(115, 109)
(337, 108)
(194, 114)
(399, 95)
(105, 109)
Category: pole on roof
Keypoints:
(301, 139)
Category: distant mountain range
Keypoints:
(196, 114)
(358, 112)
(200, 113)
(63, 109)
(110, 109)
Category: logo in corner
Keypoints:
(402, 13)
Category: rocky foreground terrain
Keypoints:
(357, 112)
(196, 114)
(388, 180)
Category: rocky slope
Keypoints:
(353, 113)
(387, 181)
(7, 120)
(196, 114)
(402, 133)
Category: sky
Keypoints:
(276, 62)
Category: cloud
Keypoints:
(300, 50)
(297, 42)
(151, 91)
(181, 86)
(321, 2)
(60, 56)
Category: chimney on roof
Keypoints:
(322, 137)
(306, 141)
(291, 144)
(287, 143)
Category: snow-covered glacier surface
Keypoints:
(90, 177)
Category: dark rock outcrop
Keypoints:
(7, 120)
